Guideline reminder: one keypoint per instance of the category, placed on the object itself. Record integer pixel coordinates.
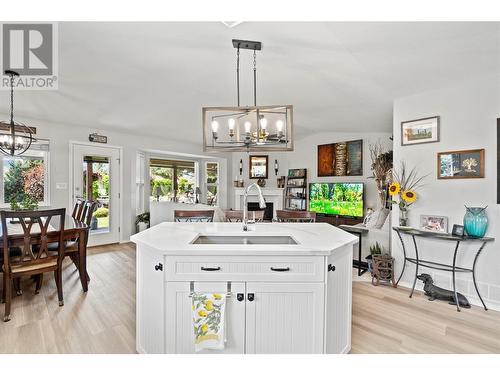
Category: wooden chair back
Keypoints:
(37, 234)
(88, 210)
(194, 216)
(236, 216)
(295, 216)
(77, 209)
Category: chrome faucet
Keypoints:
(262, 203)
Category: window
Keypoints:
(25, 178)
(212, 178)
(172, 180)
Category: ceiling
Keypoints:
(153, 78)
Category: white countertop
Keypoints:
(312, 238)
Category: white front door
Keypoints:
(96, 176)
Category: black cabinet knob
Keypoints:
(240, 297)
(251, 297)
(331, 267)
(159, 267)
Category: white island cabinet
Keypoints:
(290, 286)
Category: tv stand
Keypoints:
(337, 220)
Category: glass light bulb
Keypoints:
(263, 123)
(279, 125)
(248, 126)
(231, 123)
(215, 126)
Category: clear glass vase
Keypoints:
(403, 218)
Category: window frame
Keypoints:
(45, 154)
(209, 184)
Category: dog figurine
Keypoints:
(435, 292)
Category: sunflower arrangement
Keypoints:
(404, 186)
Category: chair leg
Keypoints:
(2, 298)
(38, 283)
(8, 297)
(17, 286)
(58, 279)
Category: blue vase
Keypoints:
(475, 221)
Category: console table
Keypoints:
(453, 268)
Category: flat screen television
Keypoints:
(337, 198)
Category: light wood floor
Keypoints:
(385, 320)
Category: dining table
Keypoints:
(74, 230)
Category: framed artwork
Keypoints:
(458, 230)
(258, 166)
(424, 130)
(433, 223)
(460, 164)
(341, 159)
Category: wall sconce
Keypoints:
(241, 166)
(276, 167)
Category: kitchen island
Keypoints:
(288, 286)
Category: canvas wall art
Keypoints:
(341, 159)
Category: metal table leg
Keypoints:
(404, 255)
(359, 255)
(453, 271)
(416, 266)
(474, 274)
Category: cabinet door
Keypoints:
(178, 317)
(339, 301)
(150, 304)
(284, 318)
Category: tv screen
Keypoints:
(342, 199)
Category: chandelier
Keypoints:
(15, 138)
(248, 128)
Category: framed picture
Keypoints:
(341, 159)
(433, 223)
(460, 164)
(458, 230)
(258, 166)
(424, 130)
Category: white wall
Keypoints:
(60, 135)
(468, 115)
(305, 156)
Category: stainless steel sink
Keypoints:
(244, 240)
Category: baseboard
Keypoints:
(472, 300)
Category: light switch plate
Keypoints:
(61, 185)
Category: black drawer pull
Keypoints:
(240, 297)
(280, 269)
(251, 297)
(210, 268)
(331, 267)
(159, 267)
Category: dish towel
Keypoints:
(209, 320)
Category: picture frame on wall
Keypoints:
(460, 164)
(258, 166)
(434, 223)
(424, 130)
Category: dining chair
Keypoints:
(236, 216)
(295, 216)
(194, 216)
(77, 209)
(35, 258)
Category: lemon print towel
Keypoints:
(208, 320)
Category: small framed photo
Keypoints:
(433, 223)
(458, 230)
(424, 130)
(460, 164)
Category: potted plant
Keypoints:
(375, 249)
(142, 221)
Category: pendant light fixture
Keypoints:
(248, 128)
(15, 138)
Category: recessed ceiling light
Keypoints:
(231, 24)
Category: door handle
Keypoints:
(280, 269)
(240, 297)
(250, 297)
(331, 267)
(210, 268)
(159, 267)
